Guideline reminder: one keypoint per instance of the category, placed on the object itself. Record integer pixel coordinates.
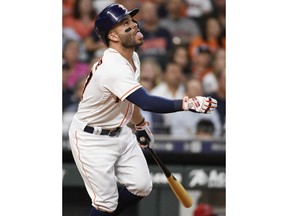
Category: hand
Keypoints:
(144, 136)
(199, 104)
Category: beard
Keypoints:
(128, 40)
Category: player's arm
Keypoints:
(157, 104)
(143, 134)
(137, 117)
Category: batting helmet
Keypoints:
(109, 17)
(203, 210)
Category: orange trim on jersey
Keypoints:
(126, 114)
(129, 91)
(85, 171)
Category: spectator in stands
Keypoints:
(77, 68)
(67, 92)
(172, 87)
(67, 8)
(220, 96)
(151, 76)
(183, 29)
(130, 4)
(151, 73)
(180, 56)
(211, 38)
(96, 57)
(161, 7)
(219, 11)
(219, 60)
(81, 22)
(198, 10)
(204, 210)
(70, 110)
(158, 40)
(204, 129)
(202, 69)
(186, 125)
(93, 46)
(99, 5)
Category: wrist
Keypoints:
(141, 123)
(178, 105)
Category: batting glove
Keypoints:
(144, 136)
(199, 104)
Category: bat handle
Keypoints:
(160, 163)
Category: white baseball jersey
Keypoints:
(104, 160)
(104, 101)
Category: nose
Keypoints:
(136, 24)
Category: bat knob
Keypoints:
(142, 139)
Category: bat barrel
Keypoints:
(175, 185)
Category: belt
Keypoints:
(112, 133)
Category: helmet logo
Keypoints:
(121, 6)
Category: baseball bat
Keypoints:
(175, 185)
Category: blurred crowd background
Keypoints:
(183, 54)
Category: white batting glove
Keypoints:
(199, 104)
(144, 136)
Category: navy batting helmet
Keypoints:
(109, 17)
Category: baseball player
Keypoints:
(105, 149)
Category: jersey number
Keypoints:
(90, 76)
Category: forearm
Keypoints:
(154, 103)
(137, 117)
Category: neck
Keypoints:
(127, 53)
(172, 88)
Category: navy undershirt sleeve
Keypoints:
(154, 103)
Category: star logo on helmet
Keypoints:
(121, 6)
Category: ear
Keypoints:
(113, 37)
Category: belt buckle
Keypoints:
(97, 130)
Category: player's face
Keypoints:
(132, 37)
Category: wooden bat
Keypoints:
(175, 185)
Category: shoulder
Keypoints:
(112, 58)
(113, 64)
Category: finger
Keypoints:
(210, 107)
(207, 109)
(205, 106)
(211, 100)
(214, 101)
